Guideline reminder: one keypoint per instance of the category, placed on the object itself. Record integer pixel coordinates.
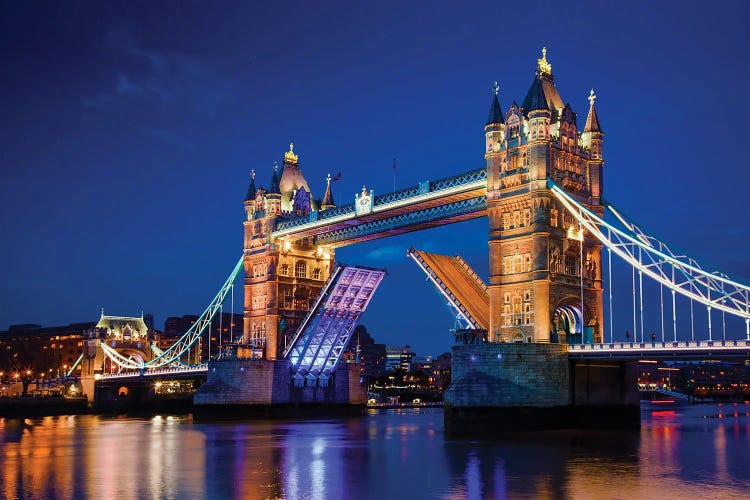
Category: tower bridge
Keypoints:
(542, 307)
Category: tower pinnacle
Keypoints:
(328, 196)
(289, 156)
(544, 66)
(496, 115)
(592, 120)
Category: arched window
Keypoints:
(284, 270)
(316, 274)
(300, 269)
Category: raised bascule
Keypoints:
(532, 340)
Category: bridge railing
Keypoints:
(668, 345)
(203, 367)
(387, 198)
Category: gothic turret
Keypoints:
(291, 182)
(592, 132)
(328, 196)
(494, 130)
(273, 197)
(535, 267)
(252, 192)
(593, 138)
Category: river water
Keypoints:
(688, 452)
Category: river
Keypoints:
(688, 452)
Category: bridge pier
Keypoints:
(259, 388)
(505, 388)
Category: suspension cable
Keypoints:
(692, 322)
(609, 264)
(661, 300)
(674, 310)
(640, 293)
(655, 258)
(635, 324)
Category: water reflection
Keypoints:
(683, 452)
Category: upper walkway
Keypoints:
(427, 204)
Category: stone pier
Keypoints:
(504, 388)
(259, 388)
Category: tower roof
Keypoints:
(274, 189)
(535, 97)
(328, 196)
(543, 85)
(251, 191)
(592, 121)
(291, 178)
(496, 114)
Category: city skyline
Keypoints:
(130, 142)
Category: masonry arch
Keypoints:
(569, 320)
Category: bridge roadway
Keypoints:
(677, 351)
(669, 350)
(164, 373)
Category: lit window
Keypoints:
(284, 270)
(300, 269)
(316, 274)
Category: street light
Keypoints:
(577, 235)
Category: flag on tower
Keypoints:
(336, 177)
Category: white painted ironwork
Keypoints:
(654, 259)
(173, 354)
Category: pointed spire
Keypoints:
(328, 196)
(274, 189)
(535, 98)
(592, 121)
(496, 114)
(251, 191)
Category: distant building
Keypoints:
(49, 350)
(224, 329)
(399, 359)
(53, 351)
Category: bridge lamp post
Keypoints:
(578, 236)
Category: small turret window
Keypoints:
(316, 274)
(284, 270)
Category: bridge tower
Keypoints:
(282, 276)
(536, 259)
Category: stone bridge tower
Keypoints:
(538, 270)
(282, 277)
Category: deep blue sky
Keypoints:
(129, 130)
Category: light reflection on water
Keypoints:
(388, 454)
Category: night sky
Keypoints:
(129, 130)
